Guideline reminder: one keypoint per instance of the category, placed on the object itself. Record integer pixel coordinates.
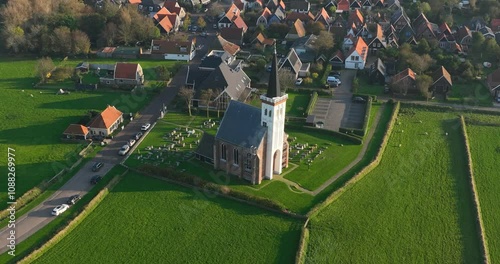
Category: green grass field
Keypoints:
(175, 225)
(32, 121)
(485, 150)
(474, 94)
(415, 207)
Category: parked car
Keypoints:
(333, 80)
(194, 28)
(95, 179)
(73, 199)
(97, 166)
(145, 127)
(124, 149)
(137, 136)
(333, 73)
(203, 34)
(131, 142)
(60, 209)
(215, 26)
(299, 81)
(358, 99)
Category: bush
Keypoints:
(315, 75)
(308, 81)
(61, 73)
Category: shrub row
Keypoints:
(328, 68)
(373, 164)
(300, 257)
(473, 186)
(312, 103)
(190, 180)
(349, 137)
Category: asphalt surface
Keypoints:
(40, 216)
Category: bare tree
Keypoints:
(206, 96)
(60, 41)
(215, 9)
(187, 94)
(43, 67)
(324, 42)
(286, 79)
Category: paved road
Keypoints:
(40, 216)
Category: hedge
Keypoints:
(312, 103)
(300, 257)
(349, 137)
(477, 205)
(378, 157)
(328, 68)
(187, 179)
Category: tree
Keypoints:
(332, 10)
(314, 27)
(93, 25)
(260, 64)
(277, 30)
(162, 73)
(186, 23)
(125, 34)
(206, 97)
(215, 9)
(80, 42)
(491, 49)
(477, 42)
(43, 67)
(324, 43)
(201, 22)
(420, 63)
(187, 94)
(423, 47)
(424, 82)
(286, 79)
(109, 35)
(14, 38)
(60, 41)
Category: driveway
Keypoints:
(338, 107)
(40, 216)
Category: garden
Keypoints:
(416, 205)
(176, 224)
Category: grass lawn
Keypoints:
(325, 154)
(485, 150)
(296, 105)
(474, 94)
(32, 125)
(416, 206)
(177, 225)
(366, 88)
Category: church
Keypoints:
(251, 143)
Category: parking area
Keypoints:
(355, 116)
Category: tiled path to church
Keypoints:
(367, 139)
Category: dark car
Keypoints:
(73, 199)
(95, 179)
(97, 166)
(334, 73)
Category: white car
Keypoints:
(124, 150)
(299, 81)
(131, 142)
(145, 126)
(60, 209)
(332, 79)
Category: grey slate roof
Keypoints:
(273, 87)
(241, 125)
(205, 148)
(234, 82)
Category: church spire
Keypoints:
(273, 88)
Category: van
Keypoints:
(332, 79)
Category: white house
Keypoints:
(356, 57)
(173, 50)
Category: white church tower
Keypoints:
(273, 117)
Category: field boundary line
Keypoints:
(87, 210)
(300, 257)
(364, 171)
(470, 167)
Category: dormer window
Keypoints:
(156, 47)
